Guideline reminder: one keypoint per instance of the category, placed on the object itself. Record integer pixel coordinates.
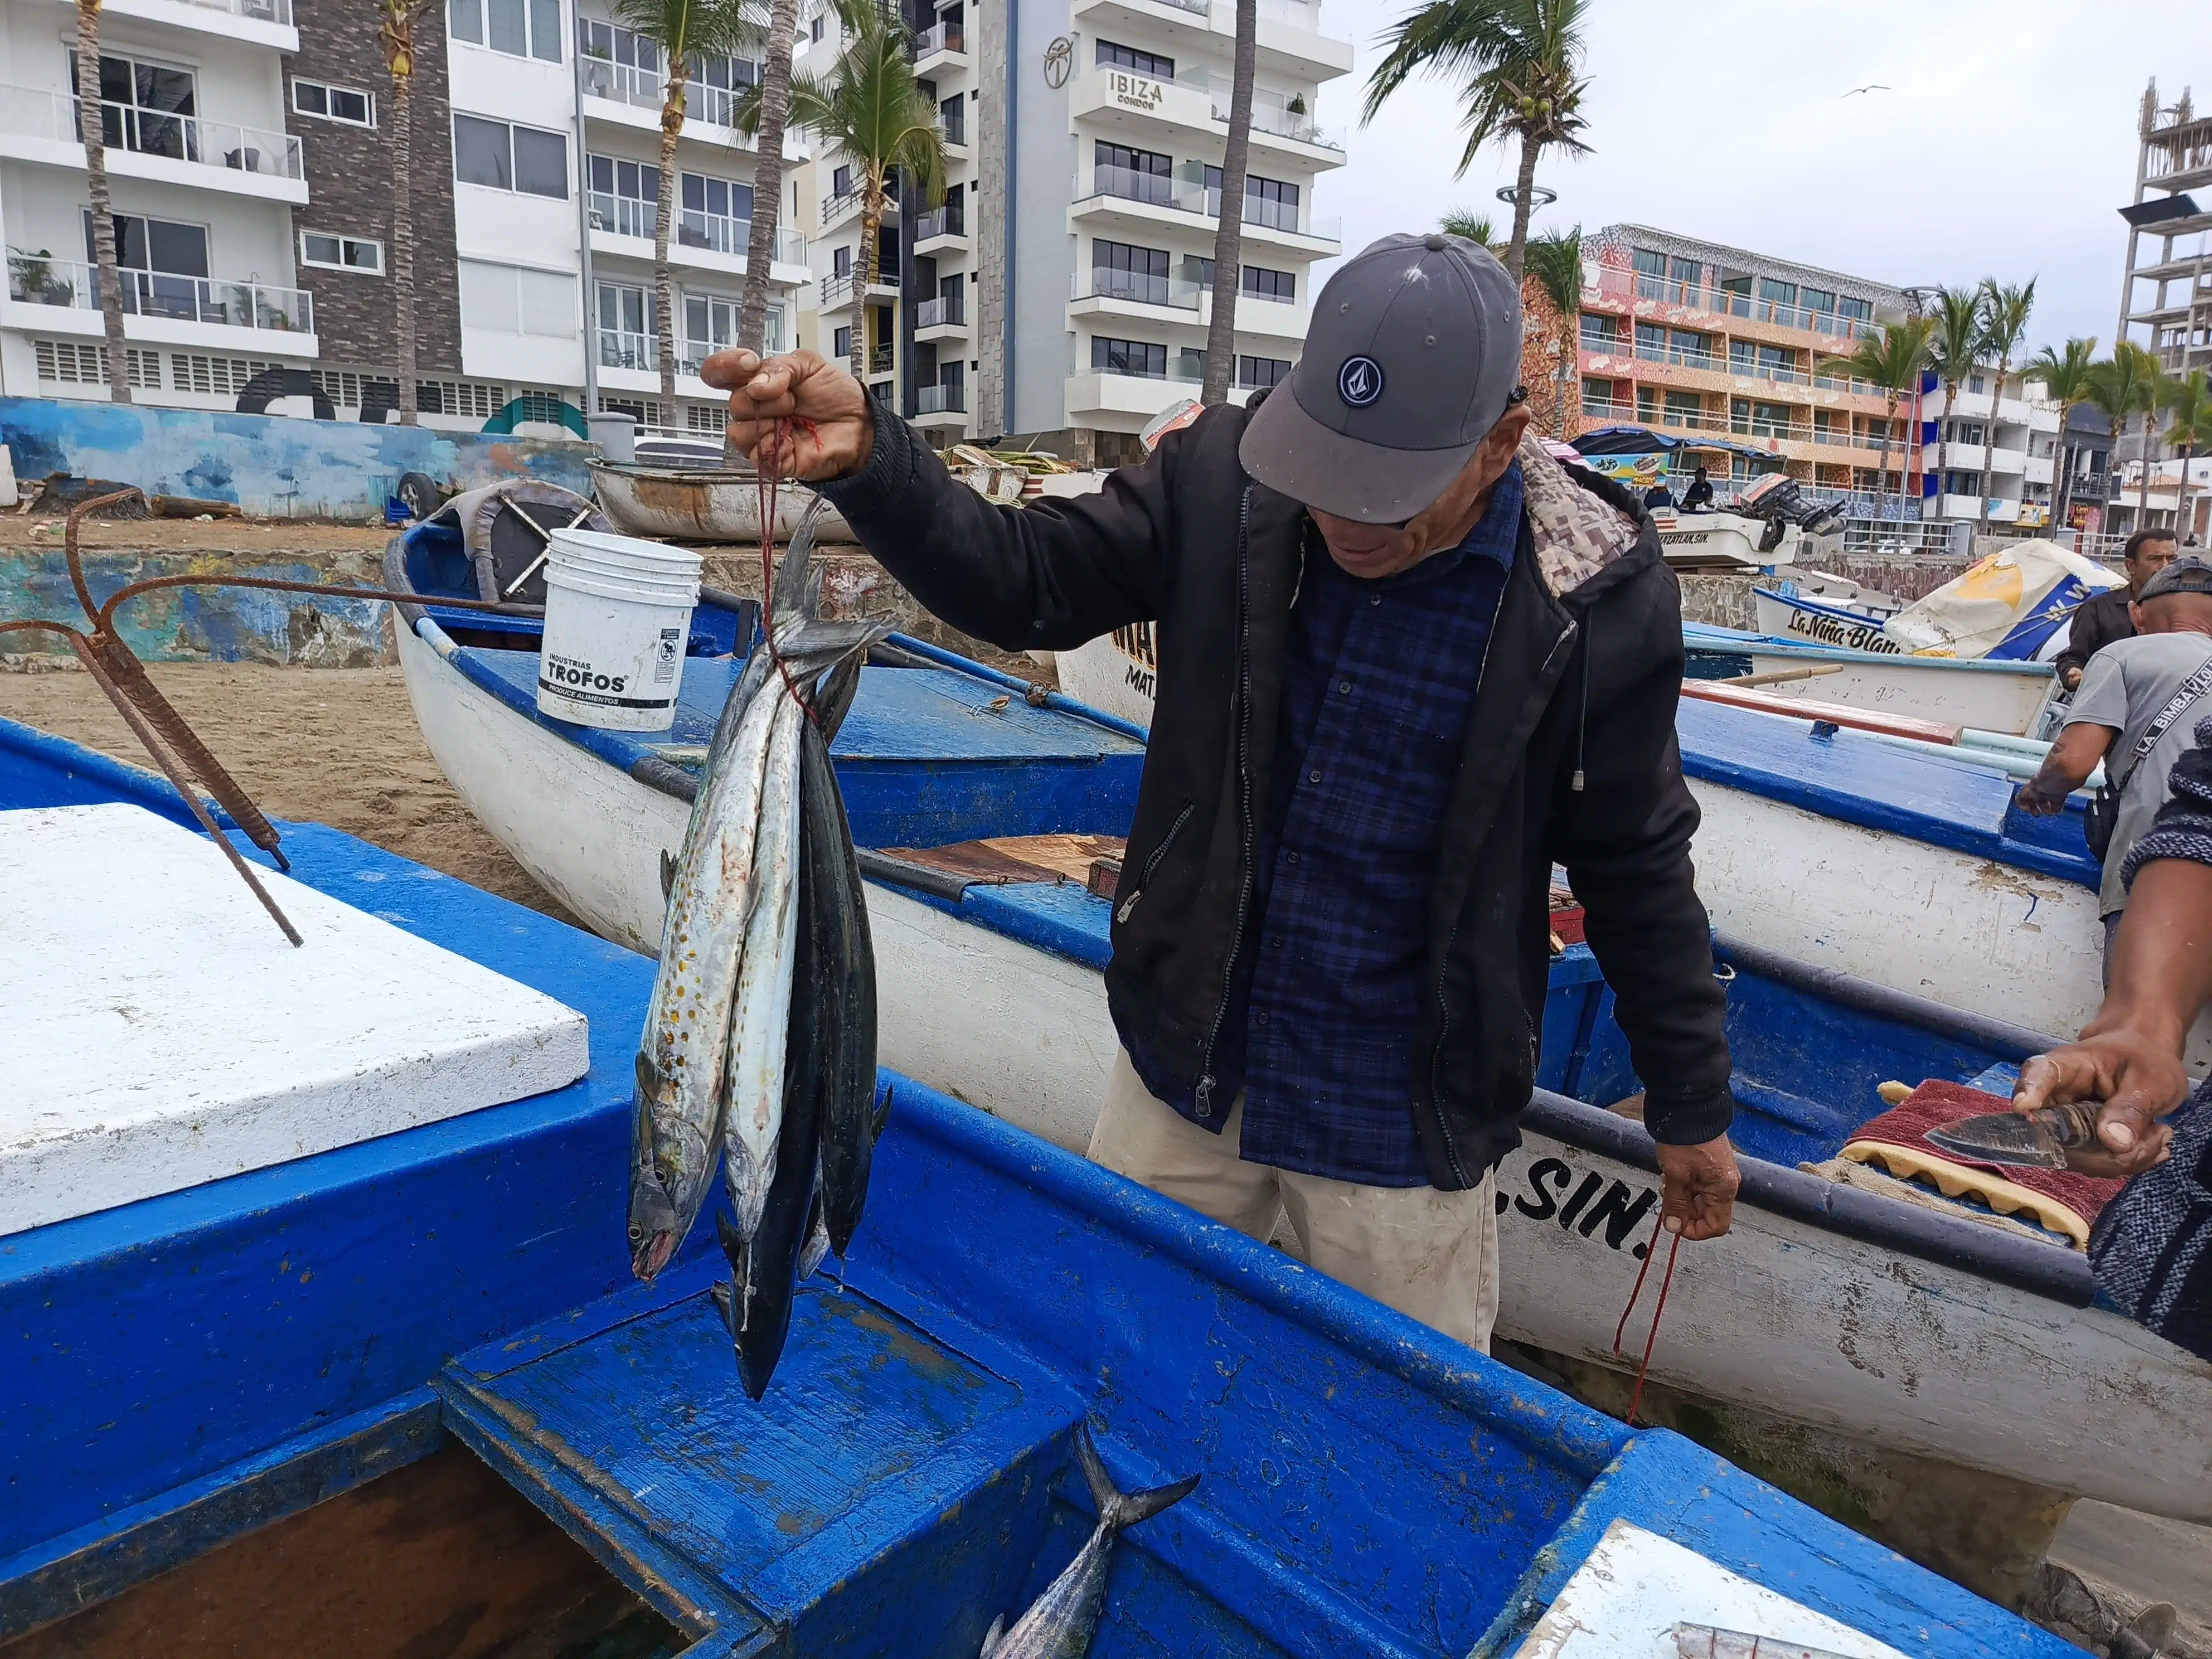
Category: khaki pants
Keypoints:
(1431, 1254)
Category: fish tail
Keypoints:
(1117, 1508)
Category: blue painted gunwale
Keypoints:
(189, 1366)
(1739, 642)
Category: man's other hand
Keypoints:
(794, 417)
(2139, 1081)
(2036, 804)
(1696, 1188)
(2070, 675)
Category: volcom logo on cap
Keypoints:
(1359, 382)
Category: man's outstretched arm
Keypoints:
(1048, 576)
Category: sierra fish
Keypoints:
(1061, 1622)
(703, 994)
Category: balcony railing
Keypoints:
(940, 400)
(946, 310)
(842, 201)
(34, 280)
(838, 290)
(1286, 124)
(1179, 290)
(941, 221)
(622, 215)
(1187, 367)
(1615, 284)
(1751, 368)
(647, 88)
(945, 37)
(260, 11)
(1188, 194)
(620, 348)
(881, 358)
(1201, 8)
(149, 133)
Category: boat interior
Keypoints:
(908, 1478)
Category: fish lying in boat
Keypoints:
(764, 1007)
(1060, 1623)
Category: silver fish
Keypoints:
(712, 885)
(1060, 1623)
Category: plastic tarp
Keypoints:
(2004, 607)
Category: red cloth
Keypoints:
(1934, 1105)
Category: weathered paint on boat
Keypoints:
(186, 1368)
(1995, 696)
(1025, 1035)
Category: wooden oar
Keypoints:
(1780, 675)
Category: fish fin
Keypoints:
(648, 1080)
(992, 1637)
(882, 1117)
(734, 1243)
(725, 1295)
(667, 874)
(835, 699)
(1118, 1508)
(788, 597)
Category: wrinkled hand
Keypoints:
(2072, 676)
(1696, 1188)
(2140, 1081)
(795, 416)
(2035, 802)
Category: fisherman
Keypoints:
(2151, 1248)
(1405, 661)
(2103, 618)
(1698, 497)
(2133, 712)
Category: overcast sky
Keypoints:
(2003, 145)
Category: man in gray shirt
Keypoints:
(2134, 688)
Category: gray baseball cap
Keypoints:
(2184, 575)
(1414, 352)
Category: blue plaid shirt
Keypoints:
(1378, 685)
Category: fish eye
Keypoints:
(637, 1233)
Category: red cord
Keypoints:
(1658, 1312)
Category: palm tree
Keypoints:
(396, 22)
(685, 30)
(2126, 384)
(1470, 225)
(2188, 400)
(2004, 323)
(1520, 61)
(91, 118)
(1891, 361)
(1229, 224)
(768, 171)
(2065, 378)
(871, 109)
(1555, 268)
(1954, 351)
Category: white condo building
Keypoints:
(1061, 293)
(204, 181)
(2007, 454)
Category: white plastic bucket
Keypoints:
(617, 614)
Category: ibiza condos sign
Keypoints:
(1136, 92)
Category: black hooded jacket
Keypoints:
(1570, 757)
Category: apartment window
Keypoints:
(499, 157)
(146, 107)
(521, 29)
(1648, 262)
(710, 323)
(1777, 291)
(1967, 431)
(1684, 408)
(953, 112)
(840, 181)
(1597, 397)
(626, 327)
(335, 252)
(1651, 342)
(1600, 332)
(619, 64)
(1113, 55)
(1688, 346)
(1819, 302)
(1975, 383)
(1687, 272)
(514, 299)
(1128, 273)
(1270, 202)
(1151, 163)
(840, 344)
(1267, 284)
(1857, 311)
(815, 29)
(155, 245)
(625, 196)
(1141, 358)
(1137, 175)
(1962, 483)
(1261, 373)
(348, 104)
(841, 262)
(717, 213)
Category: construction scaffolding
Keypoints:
(2169, 293)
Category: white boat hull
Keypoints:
(1779, 1317)
(1992, 698)
(704, 507)
(1828, 624)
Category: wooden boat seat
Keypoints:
(1002, 860)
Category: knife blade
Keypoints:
(2038, 1139)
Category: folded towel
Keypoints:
(2060, 1200)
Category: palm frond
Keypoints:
(1470, 225)
(1554, 263)
(2064, 374)
(1518, 62)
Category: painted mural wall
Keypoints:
(271, 465)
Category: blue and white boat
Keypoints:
(1973, 692)
(184, 1368)
(1965, 1343)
